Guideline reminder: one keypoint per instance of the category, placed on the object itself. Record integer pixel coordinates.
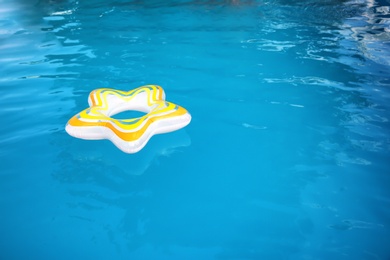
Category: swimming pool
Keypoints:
(286, 157)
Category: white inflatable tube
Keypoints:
(129, 135)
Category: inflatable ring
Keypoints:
(129, 135)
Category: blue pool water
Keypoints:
(287, 155)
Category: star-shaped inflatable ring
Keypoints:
(129, 135)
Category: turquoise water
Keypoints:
(287, 155)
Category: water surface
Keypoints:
(287, 155)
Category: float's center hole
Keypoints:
(129, 114)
